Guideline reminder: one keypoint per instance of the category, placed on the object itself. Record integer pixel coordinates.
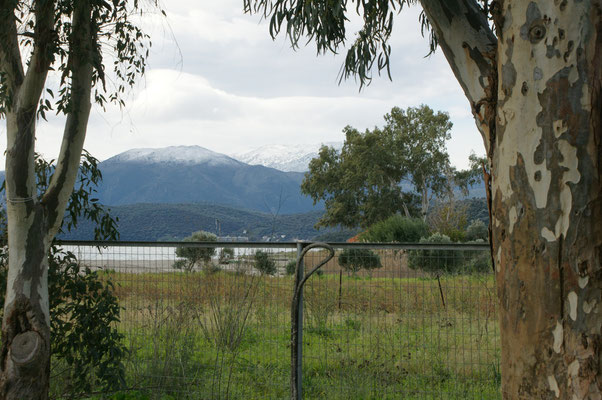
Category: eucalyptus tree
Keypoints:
(66, 41)
(531, 71)
(364, 182)
(417, 137)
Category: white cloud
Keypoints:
(221, 82)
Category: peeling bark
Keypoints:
(469, 46)
(543, 133)
(547, 200)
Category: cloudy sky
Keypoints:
(216, 79)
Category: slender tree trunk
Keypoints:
(425, 199)
(25, 351)
(32, 221)
(547, 199)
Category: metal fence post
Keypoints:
(297, 382)
(297, 314)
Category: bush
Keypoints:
(479, 261)
(354, 260)
(264, 264)
(438, 261)
(83, 313)
(396, 229)
(477, 230)
(193, 256)
(291, 267)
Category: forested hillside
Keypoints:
(153, 222)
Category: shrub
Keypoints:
(396, 228)
(354, 260)
(193, 256)
(438, 261)
(264, 264)
(291, 267)
(479, 261)
(477, 230)
(81, 299)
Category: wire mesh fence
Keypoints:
(213, 320)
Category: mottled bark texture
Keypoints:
(547, 199)
(33, 222)
(543, 137)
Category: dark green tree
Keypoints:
(291, 267)
(437, 261)
(193, 256)
(396, 228)
(354, 260)
(264, 264)
(364, 182)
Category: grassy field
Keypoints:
(391, 334)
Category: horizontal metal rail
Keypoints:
(282, 245)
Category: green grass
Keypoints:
(385, 338)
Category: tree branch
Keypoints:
(10, 56)
(80, 61)
(470, 48)
(41, 58)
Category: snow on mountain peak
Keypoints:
(289, 158)
(175, 154)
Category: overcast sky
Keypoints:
(216, 79)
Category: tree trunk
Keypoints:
(538, 106)
(33, 222)
(25, 351)
(424, 199)
(547, 199)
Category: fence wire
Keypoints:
(212, 321)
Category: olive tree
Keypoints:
(69, 40)
(193, 256)
(354, 260)
(531, 71)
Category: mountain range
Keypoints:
(191, 174)
(168, 193)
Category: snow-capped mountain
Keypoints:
(191, 174)
(175, 154)
(289, 158)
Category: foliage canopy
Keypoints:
(367, 181)
(195, 256)
(264, 264)
(396, 228)
(353, 260)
